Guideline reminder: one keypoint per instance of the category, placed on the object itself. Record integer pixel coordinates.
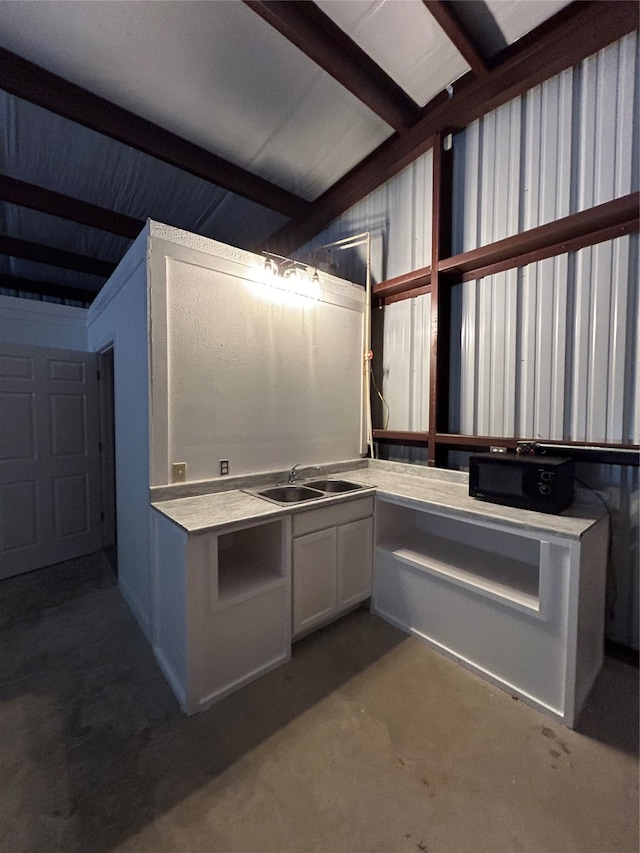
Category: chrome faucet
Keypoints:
(293, 473)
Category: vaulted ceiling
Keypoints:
(255, 123)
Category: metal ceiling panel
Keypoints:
(518, 17)
(86, 165)
(213, 73)
(426, 62)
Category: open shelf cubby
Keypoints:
(250, 560)
(502, 566)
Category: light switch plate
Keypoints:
(179, 472)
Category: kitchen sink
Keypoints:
(334, 486)
(299, 493)
(290, 494)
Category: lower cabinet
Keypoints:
(523, 608)
(332, 563)
(222, 605)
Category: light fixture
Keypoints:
(290, 275)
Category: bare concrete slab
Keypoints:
(366, 741)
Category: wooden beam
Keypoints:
(607, 453)
(438, 389)
(407, 294)
(402, 283)
(47, 288)
(602, 222)
(456, 32)
(57, 204)
(476, 441)
(26, 80)
(316, 35)
(54, 257)
(401, 436)
(569, 37)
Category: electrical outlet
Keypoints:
(224, 467)
(179, 472)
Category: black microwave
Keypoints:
(541, 483)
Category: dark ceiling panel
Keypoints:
(55, 257)
(26, 80)
(575, 33)
(57, 204)
(46, 288)
(306, 26)
(453, 27)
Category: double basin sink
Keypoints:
(294, 494)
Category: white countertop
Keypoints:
(428, 491)
(413, 486)
(209, 512)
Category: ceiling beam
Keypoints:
(455, 31)
(569, 37)
(54, 257)
(26, 80)
(56, 204)
(47, 288)
(317, 36)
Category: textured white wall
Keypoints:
(42, 324)
(246, 372)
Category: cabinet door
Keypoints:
(355, 562)
(314, 578)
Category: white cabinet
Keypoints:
(314, 579)
(355, 562)
(222, 605)
(522, 607)
(332, 562)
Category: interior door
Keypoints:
(49, 457)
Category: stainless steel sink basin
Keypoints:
(334, 486)
(290, 494)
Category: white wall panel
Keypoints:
(43, 324)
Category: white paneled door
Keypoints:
(49, 457)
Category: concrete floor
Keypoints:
(366, 741)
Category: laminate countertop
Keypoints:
(427, 489)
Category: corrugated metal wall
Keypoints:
(398, 217)
(406, 348)
(565, 146)
(549, 350)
